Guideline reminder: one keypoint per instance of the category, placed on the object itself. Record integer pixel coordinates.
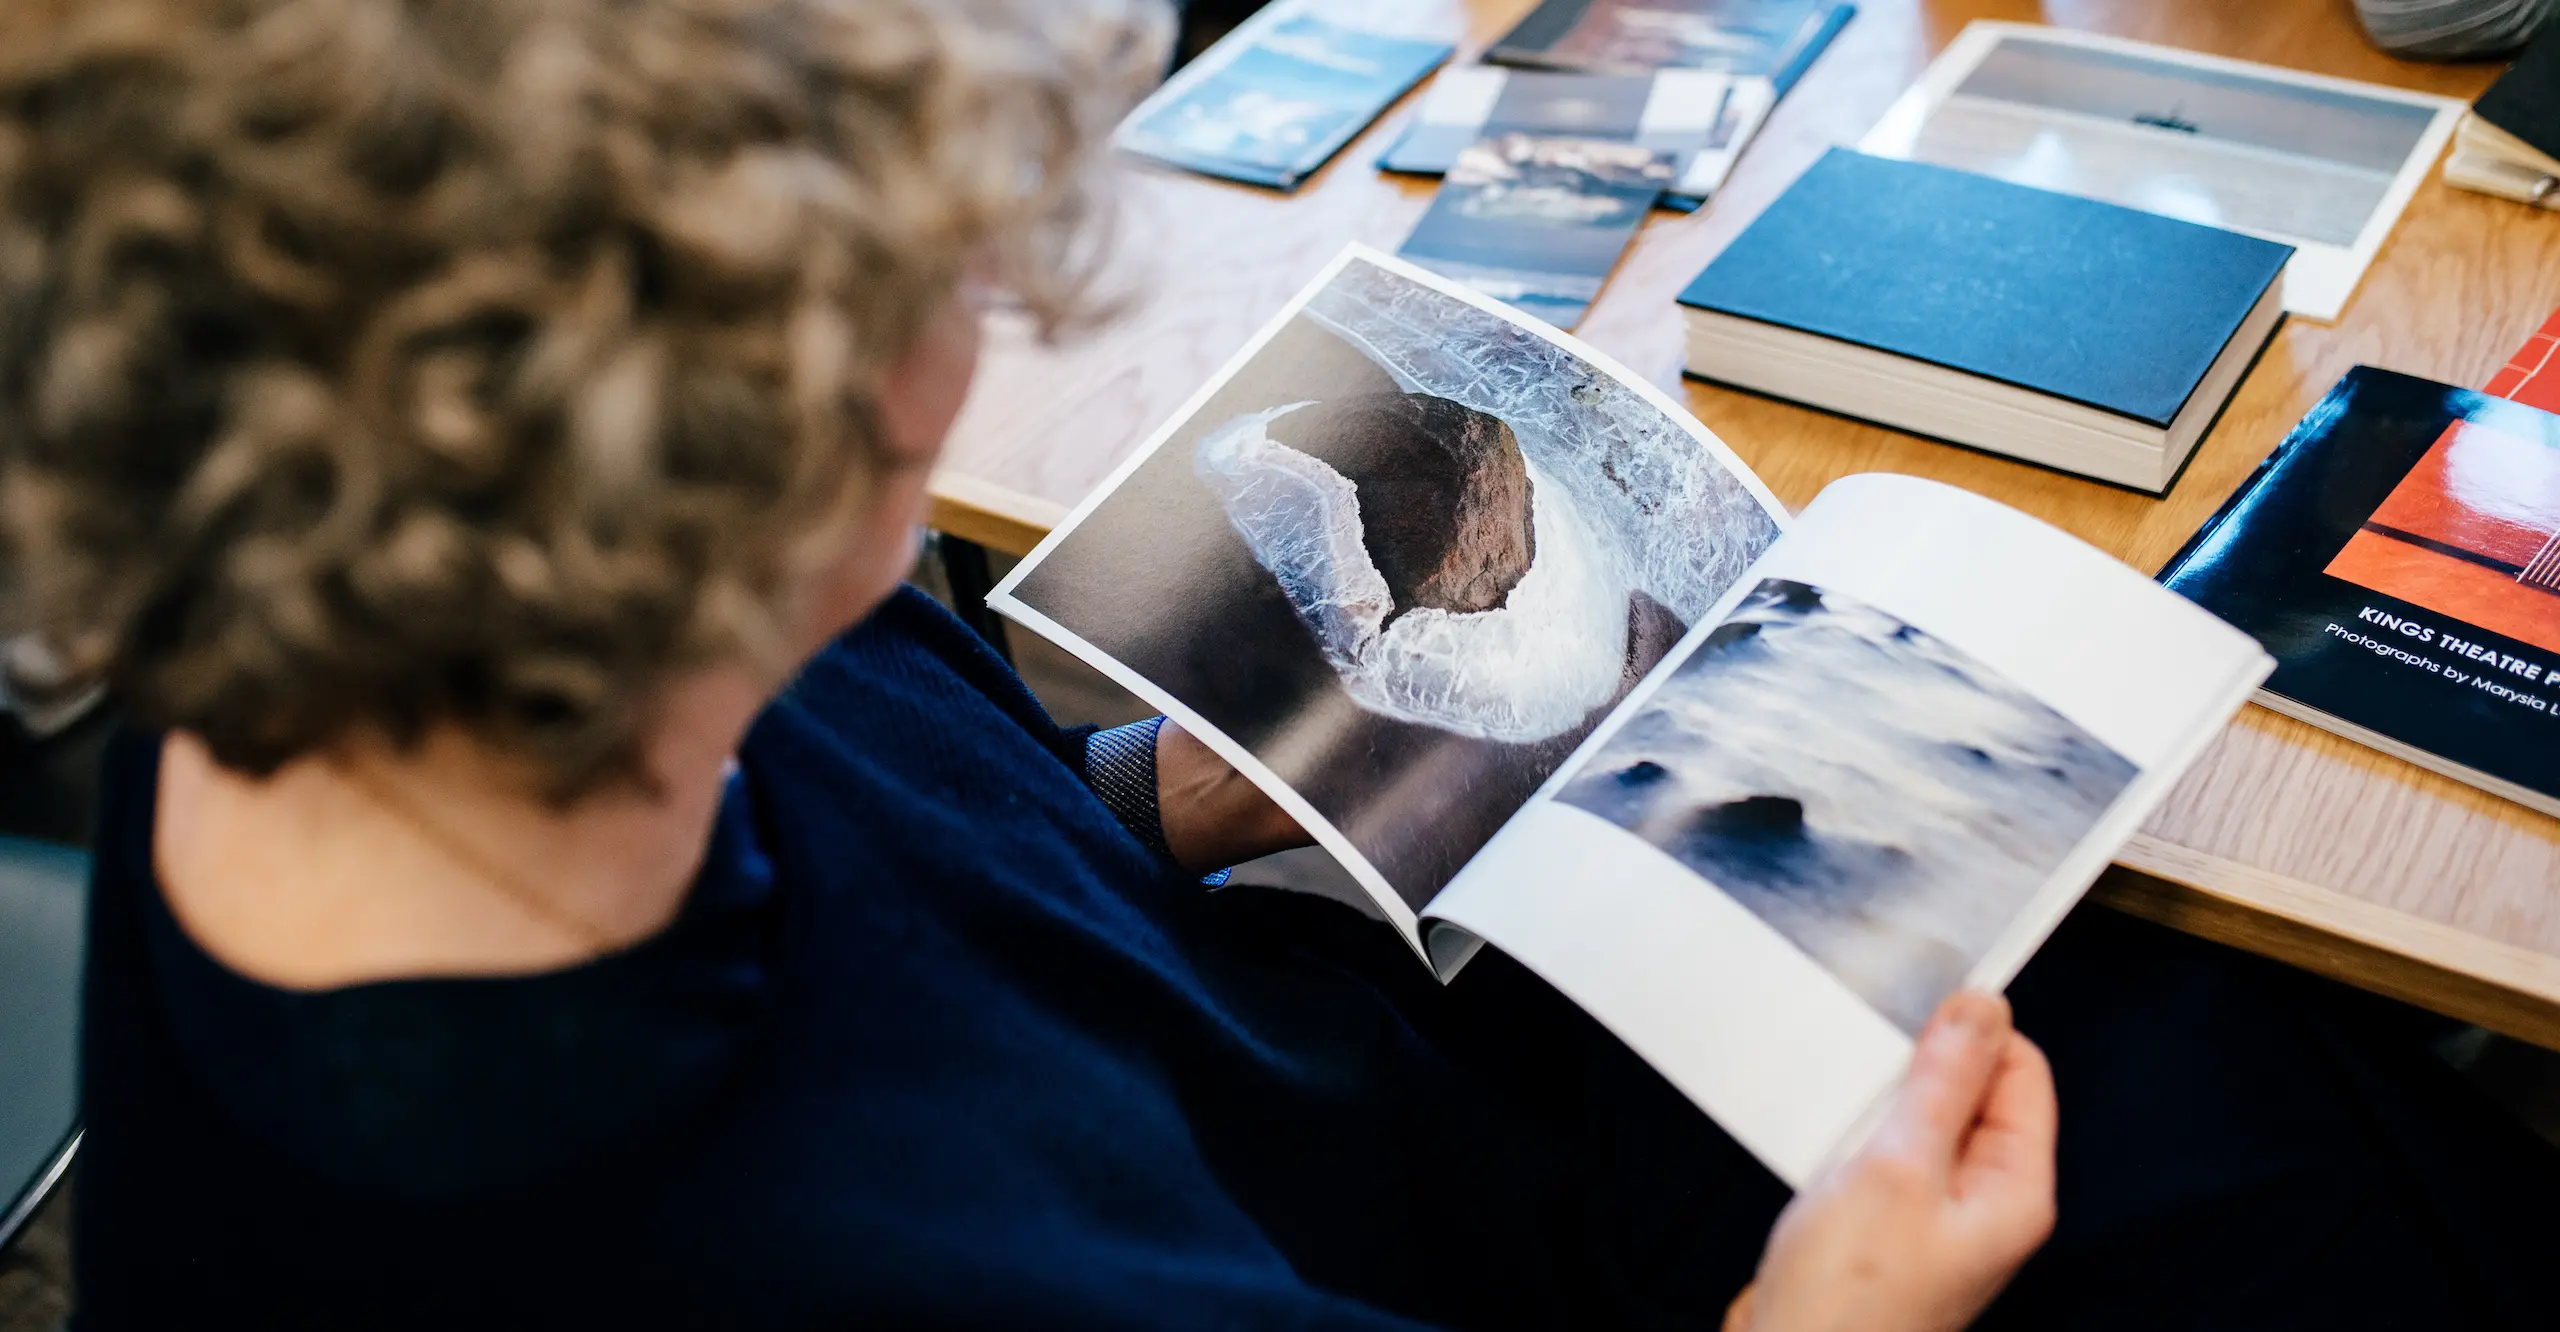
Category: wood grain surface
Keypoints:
(2284, 839)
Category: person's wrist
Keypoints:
(1214, 816)
(1267, 824)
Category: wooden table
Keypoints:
(2283, 840)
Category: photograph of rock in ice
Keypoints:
(1407, 556)
(1881, 799)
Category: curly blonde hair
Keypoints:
(390, 364)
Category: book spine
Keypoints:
(1781, 80)
(2239, 497)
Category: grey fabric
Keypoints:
(1120, 766)
(2453, 29)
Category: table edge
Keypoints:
(2501, 986)
(996, 517)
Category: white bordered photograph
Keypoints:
(1701, 120)
(2323, 164)
(1883, 767)
(1397, 560)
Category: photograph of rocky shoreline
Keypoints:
(1880, 798)
(1407, 555)
(1539, 221)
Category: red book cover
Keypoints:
(2533, 376)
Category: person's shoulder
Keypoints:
(909, 643)
(911, 673)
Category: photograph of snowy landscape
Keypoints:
(1281, 105)
(1882, 800)
(1407, 555)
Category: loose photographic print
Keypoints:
(1538, 222)
(2321, 164)
(1702, 172)
(2205, 145)
(2473, 532)
(1465, 106)
(1881, 799)
(1277, 99)
(1772, 39)
(1700, 121)
(1404, 555)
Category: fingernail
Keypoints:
(1970, 1016)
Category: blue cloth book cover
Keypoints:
(1278, 99)
(2399, 554)
(2085, 301)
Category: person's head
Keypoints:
(380, 366)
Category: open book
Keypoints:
(1543, 665)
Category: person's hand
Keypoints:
(1214, 816)
(1918, 1230)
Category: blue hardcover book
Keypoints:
(2060, 330)
(1277, 98)
(2399, 555)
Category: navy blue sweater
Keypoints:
(934, 1041)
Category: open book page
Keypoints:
(1884, 767)
(1397, 560)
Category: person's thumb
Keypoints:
(1737, 1315)
(1950, 1071)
